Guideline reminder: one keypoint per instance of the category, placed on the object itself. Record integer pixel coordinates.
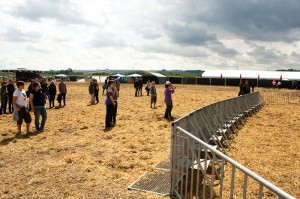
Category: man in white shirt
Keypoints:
(20, 105)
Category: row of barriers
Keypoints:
(198, 155)
(281, 97)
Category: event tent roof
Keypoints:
(135, 75)
(244, 74)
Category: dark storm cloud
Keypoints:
(188, 34)
(268, 20)
(60, 10)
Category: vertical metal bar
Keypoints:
(222, 178)
(198, 162)
(173, 156)
(212, 176)
(192, 172)
(182, 166)
(204, 173)
(187, 169)
(245, 186)
(260, 194)
(232, 181)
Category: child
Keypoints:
(153, 94)
(169, 90)
(59, 98)
(110, 103)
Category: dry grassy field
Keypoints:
(76, 158)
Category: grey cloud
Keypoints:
(269, 20)
(61, 10)
(181, 51)
(102, 40)
(14, 34)
(222, 50)
(263, 55)
(188, 34)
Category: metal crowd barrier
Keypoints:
(281, 97)
(198, 155)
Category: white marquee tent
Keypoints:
(244, 74)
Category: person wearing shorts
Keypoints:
(153, 94)
(20, 105)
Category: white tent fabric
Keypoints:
(118, 75)
(81, 80)
(244, 74)
(100, 78)
(61, 75)
(135, 75)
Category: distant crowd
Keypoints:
(20, 102)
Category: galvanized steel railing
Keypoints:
(197, 162)
(281, 97)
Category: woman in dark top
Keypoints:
(109, 102)
(37, 100)
(52, 94)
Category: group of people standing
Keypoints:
(138, 85)
(37, 92)
(245, 87)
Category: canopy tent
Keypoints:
(118, 75)
(157, 77)
(135, 75)
(244, 74)
(60, 76)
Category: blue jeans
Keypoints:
(40, 111)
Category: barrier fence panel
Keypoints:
(281, 97)
(198, 171)
(198, 156)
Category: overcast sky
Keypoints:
(150, 34)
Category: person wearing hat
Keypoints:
(169, 90)
(153, 94)
(52, 94)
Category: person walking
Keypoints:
(52, 94)
(153, 94)
(115, 110)
(92, 92)
(140, 81)
(3, 97)
(104, 86)
(10, 89)
(241, 85)
(169, 90)
(109, 102)
(96, 90)
(20, 105)
(62, 88)
(148, 86)
(118, 84)
(37, 100)
(136, 86)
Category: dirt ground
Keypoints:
(76, 158)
